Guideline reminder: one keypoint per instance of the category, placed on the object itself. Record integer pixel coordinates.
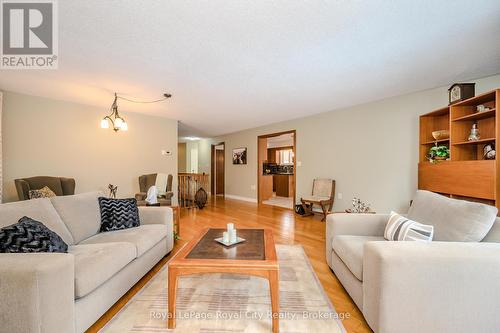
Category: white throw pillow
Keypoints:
(400, 228)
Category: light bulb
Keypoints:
(118, 123)
(124, 126)
(104, 123)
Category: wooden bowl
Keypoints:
(440, 135)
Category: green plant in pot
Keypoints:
(438, 153)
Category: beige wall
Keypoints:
(181, 160)
(371, 150)
(48, 137)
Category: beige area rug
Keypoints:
(224, 303)
(283, 202)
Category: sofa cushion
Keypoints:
(453, 220)
(80, 213)
(97, 263)
(350, 251)
(144, 237)
(39, 210)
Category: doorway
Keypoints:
(276, 169)
(217, 174)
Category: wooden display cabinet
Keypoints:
(467, 175)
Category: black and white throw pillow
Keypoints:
(118, 214)
(400, 228)
(28, 236)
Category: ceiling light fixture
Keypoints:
(116, 120)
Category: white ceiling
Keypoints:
(232, 65)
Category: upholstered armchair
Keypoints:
(145, 182)
(58, 185)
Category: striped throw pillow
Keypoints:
(400, 228)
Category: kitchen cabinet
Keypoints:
(284, 185)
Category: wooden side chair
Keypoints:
(323, 194)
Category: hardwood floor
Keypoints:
(288, 228)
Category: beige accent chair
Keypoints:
(443, 286)
(68, 292)
(323, 194)
(145, 182)
(58, 185)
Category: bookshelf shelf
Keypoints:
(435, 141)
(477, 142)
(477, 116)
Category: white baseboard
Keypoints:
(237, 197)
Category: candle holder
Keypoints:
(229, 237)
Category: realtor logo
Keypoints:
(29, 34)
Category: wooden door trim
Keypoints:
(212, 167)
(265, 136)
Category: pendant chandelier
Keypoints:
(114, 118)
(116, 121)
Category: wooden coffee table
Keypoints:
(256, 256)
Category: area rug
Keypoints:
(224, 303)
(283, 202)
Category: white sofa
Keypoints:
(54, 292)
(414, 287)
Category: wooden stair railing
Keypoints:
(189, 184)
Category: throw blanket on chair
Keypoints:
(152, 197)
(161, 184)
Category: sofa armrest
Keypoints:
(431, 287)
(37, 292)
(354, 225)
(156, 215)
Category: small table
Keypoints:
(256, 256)
(177, 220)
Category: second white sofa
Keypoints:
(443, 286)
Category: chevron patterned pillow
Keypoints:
(28, 236)
(118, 214)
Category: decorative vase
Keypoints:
(200, 198)
(474, 133)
